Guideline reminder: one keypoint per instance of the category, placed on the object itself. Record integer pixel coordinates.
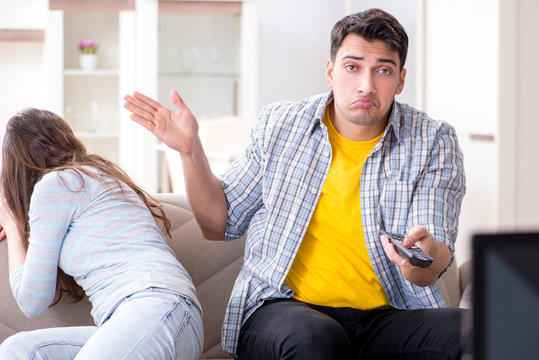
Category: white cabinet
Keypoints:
(199, 55)
(204, 66)
(90, 100)
(197, 52)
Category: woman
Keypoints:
(76, 223)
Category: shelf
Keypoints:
(97, 72)
(37, 35)
(94, 5)
(97, 135)
(199, 74)
(200, 7)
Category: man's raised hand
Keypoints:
(176, 129)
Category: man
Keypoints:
(319, 180)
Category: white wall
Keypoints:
(482, 76)
(287, 46)
(22, 73)
(23, 14)
(290, 48)
(519, 123)
(461, 87)
(21, 63)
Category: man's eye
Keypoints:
(384, 71)
(350, 67)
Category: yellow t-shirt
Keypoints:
(332, 266)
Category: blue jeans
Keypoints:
(150, 324)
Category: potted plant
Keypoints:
(88, 54)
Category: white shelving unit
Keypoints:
(91, 100)
(130, 60)
(205, 69)
(205, 66)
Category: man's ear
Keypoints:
(401, 82)
(329, 73)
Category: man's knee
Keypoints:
(314, 329)
(293, 332)
(443, 332)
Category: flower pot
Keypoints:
(88, 61)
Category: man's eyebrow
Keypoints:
(380, 60)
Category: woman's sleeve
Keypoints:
(51, 212)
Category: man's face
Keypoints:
(365, 78)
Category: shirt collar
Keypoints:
(325, 101)
(394, 122)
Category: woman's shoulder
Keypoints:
(71, 179)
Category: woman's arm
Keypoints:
(33, 272)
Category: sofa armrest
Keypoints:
(449, 286)
(465, 275)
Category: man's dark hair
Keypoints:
(372, 24)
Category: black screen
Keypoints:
(506, 296)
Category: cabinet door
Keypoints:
(199, 56)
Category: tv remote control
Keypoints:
(415, 255)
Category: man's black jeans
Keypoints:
(290, 329)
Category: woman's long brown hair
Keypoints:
(37, 142)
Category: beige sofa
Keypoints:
(213, 266)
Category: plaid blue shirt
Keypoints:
(413, 176)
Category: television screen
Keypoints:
(506, 296)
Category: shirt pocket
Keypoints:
(395, 202)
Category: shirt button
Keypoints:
(326, 153)
(281, 269)
(298, 230)
(314, 191)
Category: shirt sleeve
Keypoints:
(440, 189)
(242, 182)
(51, 210)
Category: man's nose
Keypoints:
(366, 83)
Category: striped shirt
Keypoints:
(108, 241)
(413, 176)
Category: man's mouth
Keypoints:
(364, 103)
